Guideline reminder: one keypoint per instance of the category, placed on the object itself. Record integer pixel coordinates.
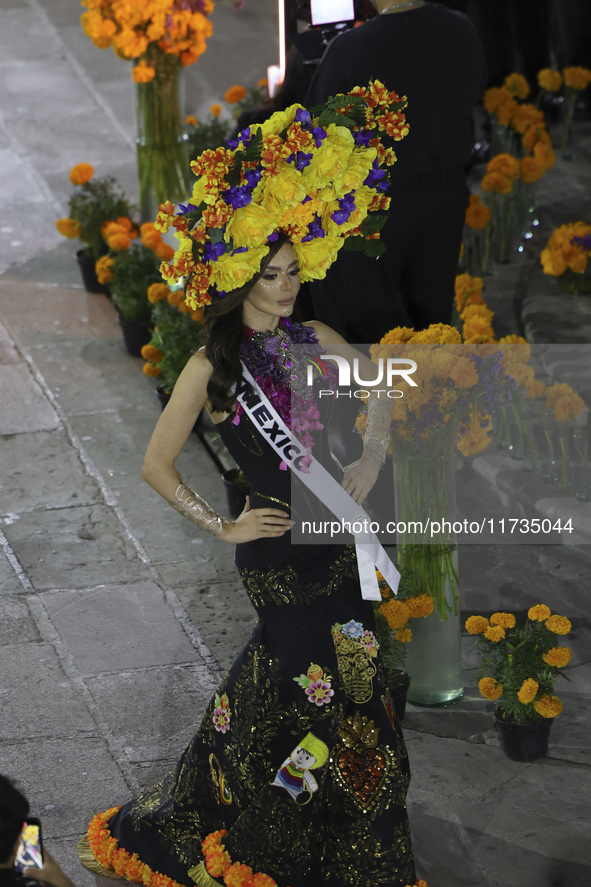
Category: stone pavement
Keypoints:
(117, 617)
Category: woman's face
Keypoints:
(274, 294)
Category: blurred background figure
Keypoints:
(432, 55)
(14, 810)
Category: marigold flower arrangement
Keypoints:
(130, 268)
(524, 661)
(177, 333)
(566, 256)
(319, 176)
(392, 616)
(94, 203)
(477, 234)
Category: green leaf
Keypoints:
(328, 116)
(253, 152)
(216, 234)
(374, 222)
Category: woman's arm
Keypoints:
(167, 442)
(360, 477)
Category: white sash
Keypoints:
(370, 553)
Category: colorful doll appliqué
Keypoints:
(294, 775)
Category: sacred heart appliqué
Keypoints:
(361, 765)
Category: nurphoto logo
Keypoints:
(389, 367)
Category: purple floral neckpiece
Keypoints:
(269, 357)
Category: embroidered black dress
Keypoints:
(297, 756)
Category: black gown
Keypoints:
(298, 755)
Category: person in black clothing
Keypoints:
(433, 56)
(14, 809)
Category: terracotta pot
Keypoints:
(524, 742)
(135, 335)
(236, 492)
(398, 684)
(89, 278)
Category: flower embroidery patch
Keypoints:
(221, 713)
(356, 646)
(316, 685)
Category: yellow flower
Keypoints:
(231, 272)
(517, 85)
(404, 635)
(330, 160)
(495, 633)
(81, 173)
(251, 225)
(558, 624)
(216, 109)
(528, 691)
(576, 77)
(490, 689)
(103, 269)
(548, 706)
(191, 120)
(476, 624)
(420, 606)
(316, 256)
(234, 94)
(283, 191)
(69, 227)
(506, 620)
(557, 656)
(157, 292)
(143, 73)
(150, 352)
(539, 613)
(549, 79)
(513, 340)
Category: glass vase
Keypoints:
(565, 434)
(581, 473)
(425, 493)
(162, 159)
(548, 446)
(566, 144)
(503, 221)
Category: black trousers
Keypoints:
(412, 283)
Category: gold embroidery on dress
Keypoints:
(360, 765)
(356, 670)
(255, 442)
(273, 499)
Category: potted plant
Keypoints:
(523, 664)
(131, 266)
(177, 333)
(392, 616)
(217, 129)
(93, 203)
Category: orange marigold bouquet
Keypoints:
(566, 257)
(131, 266)
(523, 663)
(393, 615)
(94, 203)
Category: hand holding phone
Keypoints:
(30, 848)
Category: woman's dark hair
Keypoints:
(14, 809)
(225, 329)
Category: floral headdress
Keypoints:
(318, 176)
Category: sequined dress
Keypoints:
(299, 757)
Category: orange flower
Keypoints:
(119, 241)
(557, 657)
(191, 120)
(69, 228)
(81, 173)
(157, 292)
(396, 613)
(548, 706)
(234, 94)
(164, 251)
(198, 315)
(494, 97)
(528, 691)
(263, 83)
(539, 613)
(506, 620)
(517, 85)
(495, 633)
(151, 238)
(505, 164)
(558, 624)
(531, 169)
(143, 73)
(150, 370)
(419, 606)
(490, 688)
(477, 214)
(506, 112)
(496, 182)
(576, 77)
(549, 79)
(404, 635)
(216, 109)
(103, 269)
(150, 352)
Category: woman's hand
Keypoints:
(360, 477)
(260, 523)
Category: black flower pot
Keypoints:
(524, 742)
(236, 491)
(89, 278)
(135, 335)
(398, 684)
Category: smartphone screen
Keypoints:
(325, 12)
(30, 849)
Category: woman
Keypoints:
(298, 773)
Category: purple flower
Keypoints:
(585, 242)
(238, 197)
(376, 177)
(303, 116)
(214, 250)
(244, 137)
(306, 198)
(319, 692)
(239, 249)
(183, 210)
(346, 207)
(315, 230)
(319, 135)
(272, 237)
(362, 138)
(302, 160)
